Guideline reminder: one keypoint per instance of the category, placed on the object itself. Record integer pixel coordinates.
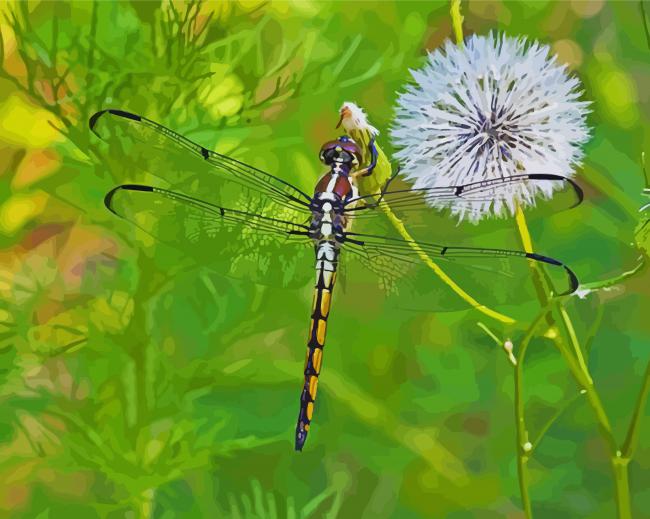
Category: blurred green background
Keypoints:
(136, 382)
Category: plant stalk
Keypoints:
(522, 444)
(524, 448)
(569, 346)
(622, 487)
(633, 430)
(456, 21)
(399, 226)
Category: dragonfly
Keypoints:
(232, 210)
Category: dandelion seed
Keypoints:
(493, 108)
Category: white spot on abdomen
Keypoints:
(326, 229)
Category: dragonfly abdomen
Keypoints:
(325, 279)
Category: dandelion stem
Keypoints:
(541, 288)
(457, 21)
(399, 226)
(524, 233)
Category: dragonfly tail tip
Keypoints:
(301, 438)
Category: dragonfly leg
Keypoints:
(367, 171)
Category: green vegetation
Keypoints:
(136, 381)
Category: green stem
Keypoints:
(524, 448)
(644, 20)
(552, 420)
(633, 430)
(542, 288)
(622, 487)
(456, 20)
(570, 349)
(621, 459)
(579, 371)
(573, 339)
(490, 334)
(610, 282)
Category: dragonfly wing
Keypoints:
(180, 161)
(494, 277)
(268, 248)
(495, 194)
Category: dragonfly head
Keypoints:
(343, 151)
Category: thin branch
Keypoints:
(559, 412)
(573, 339)
(584, 379)
(36, 446)
(635, 422)
(490, 333)
(644, 20)
(593, 329)
(610, 282)
(524, 447)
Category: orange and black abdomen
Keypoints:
(316, 342)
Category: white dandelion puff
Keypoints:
(493, 108)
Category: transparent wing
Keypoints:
(494, 277)
(270, 248)
(179, 161)
(496, 193)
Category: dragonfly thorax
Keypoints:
(336, 186)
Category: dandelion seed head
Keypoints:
(493, 108)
